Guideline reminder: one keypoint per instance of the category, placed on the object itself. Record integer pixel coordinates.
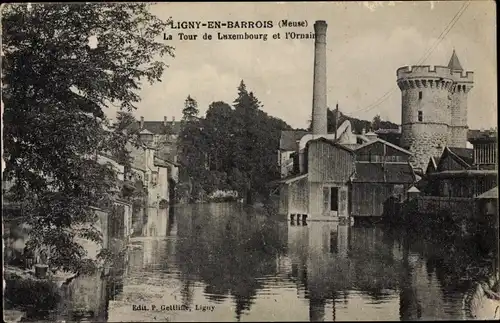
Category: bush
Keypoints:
(32, 295)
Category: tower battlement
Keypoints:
(463, 76)
(424, 71)
(433, 107)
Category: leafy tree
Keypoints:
(57, 84)
(376, 123)
(231, 148)
(124, 130)
(191, 147)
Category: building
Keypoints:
(460, 177)
(288, 146)
(434, 108)
(390, 135)
(463, 172)
(330, 175)
(162, 136)
(382, 171)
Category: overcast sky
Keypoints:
(366, 43)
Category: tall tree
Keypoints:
(376, 123)
(62, 65)
(192, 147)
(190, 111)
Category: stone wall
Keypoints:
(424, 141)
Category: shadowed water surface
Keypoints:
(222, 262)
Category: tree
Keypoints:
(191, 145)
(190, 111)
(124, 130)
(57, 85)
(376, 123)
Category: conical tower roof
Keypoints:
(454, 63)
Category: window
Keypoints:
(420, 116)
(334, 196)
(420, 95)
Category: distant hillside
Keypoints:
(357, 124)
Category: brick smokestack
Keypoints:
(319, 121)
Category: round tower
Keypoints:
(463, 82)
(425, 107)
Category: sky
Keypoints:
(366, 43)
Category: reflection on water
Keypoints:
(228, 263)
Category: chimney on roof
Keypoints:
(399, 128)
(319, 122)
(173, 119)
(142, 122)
(165, 121)
(363, 131)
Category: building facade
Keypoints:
(465, 173)
(433, 108)
(383, 171)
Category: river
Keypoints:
(225, 262)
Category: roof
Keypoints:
(331, 142)
(351, 146)
(465, 173)
(413, 189)
(291, 179)
(157, 127)
(491, 194)
(383, 173)
(385, 131)
(466, 154)
(288, 140)
(385, 143)
(479, 135)
(145, 132)
(454, 63)
(434, 160)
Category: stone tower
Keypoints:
(459, 92)
(434, 108)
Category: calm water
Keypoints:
(237, 265)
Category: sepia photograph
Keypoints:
(249, 161)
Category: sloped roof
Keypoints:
(454, 63)
(474, 134)
(351, 146)
(291, 178)
(491, 194)
(331, 142)
(466, 154)
(385, 143)
(434, 160)
(384, 173)
(288, 140)
(413, 189)
(156, 127)
(385, 131)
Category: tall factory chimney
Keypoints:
(319, 122)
